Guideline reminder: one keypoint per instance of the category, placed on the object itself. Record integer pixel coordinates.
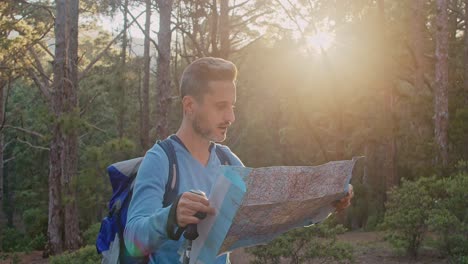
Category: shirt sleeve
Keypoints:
(145, 230)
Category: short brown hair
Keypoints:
(195, 78)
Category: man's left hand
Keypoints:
(345, 202)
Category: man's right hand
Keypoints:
(189, 204)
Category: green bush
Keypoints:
(85, 255)
(90, 234)
(35, 220)
(38, 242)
(408, 209)
(303, 244)
(460, 260)
(430, 204)
(449, 219)
(13, 240)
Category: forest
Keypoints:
(84, 84)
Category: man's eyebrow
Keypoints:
(222, 102)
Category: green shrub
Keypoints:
(303, 244)
(430, 204)
(35, 220)
(13, 240)
(85, 255)
(38, 242)
(373, 222)
(90, 234)
(408, 209)
(460, 260)
(449, 219)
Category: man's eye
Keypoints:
(224, 106)
(221, 106)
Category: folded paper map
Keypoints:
(253, 206)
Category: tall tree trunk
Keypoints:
(2, 118)
(122, 85)
(466, 54)
(441, 113)
(389, 163)
(417, 29)
(224, 30)
(422, 130)
(63, 228)
(144, 134)
(465, 84)
(55, 224)
(71, 228)
(214, 29)
(163, 76)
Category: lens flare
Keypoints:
(321, 41)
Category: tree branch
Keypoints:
(297, 11)
(39, 67)
(31, 145)
(95, 127)
(46, 49)
(6, 145)
(290, 16)
(85, 108)
(48, 8)
(34, 133)
(7, 160)
(144, 32)
(44, 90)
(192, 38)
(251, 18)
(248, 45)
(99, 56)
(238, 5)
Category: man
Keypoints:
(208, 93)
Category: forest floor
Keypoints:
(369, 248)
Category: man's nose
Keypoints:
(230, 116)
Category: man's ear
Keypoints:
(188, 104)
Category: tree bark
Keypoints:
(465, 84)
(2, 118)
(214, 29)
(163, 77)
(441, 114)
(389, 162)
(63, 229)
(417, 29)
(224, 30)
(122, 85)
(418, 39)
(71, 228)
(466, 54)
(144, 136)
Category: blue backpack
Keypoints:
(110, 242)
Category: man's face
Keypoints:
(215, 112)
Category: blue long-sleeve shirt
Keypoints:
(145, 231)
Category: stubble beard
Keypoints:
(205, 133)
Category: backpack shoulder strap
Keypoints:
(172, 185)
(222, 155)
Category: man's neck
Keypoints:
(196, 145)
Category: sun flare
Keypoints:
(321, 41)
